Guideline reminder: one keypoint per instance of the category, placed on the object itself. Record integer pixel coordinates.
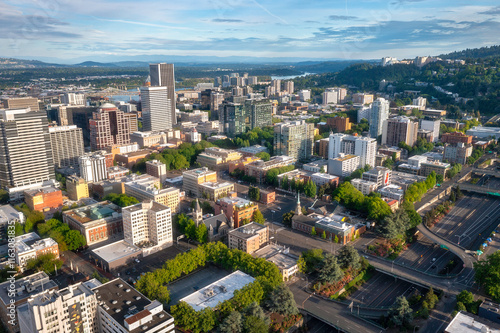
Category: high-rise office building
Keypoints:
(73, 99)
(365, 148)
(163, 75)
(21, 103)
(93, 167)
(147, 223)
(155, 109)
(379, 113)
(216, 99)
(25, 151)
(294, 139)
(67, 145)
(399, 129)
(109, 127)
(236, 118)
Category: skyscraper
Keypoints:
(379, 113)
(67, 145)
(236, 118)
(294, 139)
(365, 148)
(163, 75)
(109, 126)
(25, 151)
(156, 109)
(399, 129)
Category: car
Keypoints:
(137, 260)
(433, 259)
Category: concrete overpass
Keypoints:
(489, 172)
(112, 92)
(480, 189)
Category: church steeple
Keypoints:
(198, 213)
(298, 209)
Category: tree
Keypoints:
(281, 301)
(254, 193)
(465, 297)
(255, 310)
(121, 200)
(439, 179)
(263, 156)
(313, 231)
(488, 274)
(45, 262)
(310, 189)
(232, 323)
(323, 235)
(310, 260)
(430, 299)
(287, 218)
(349, 257)
(258, 217)
(255, 325)
(401, 313)
(394, 225)
(4, 197)
(336, 239)
(331, 271)
(74, 240)
(201, 233)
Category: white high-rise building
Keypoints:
(330, 96)
(73, 99)
(147, 223)
(431, 125)
(93, 167)
(162, 75)
(67, 145)
(420, 102)
(305, 95)
(156, 109)
(365, 148)
(276, 84)
(379, 113)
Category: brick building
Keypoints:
(249, 238)
(456, 137)
(237, 209)
(44, 199)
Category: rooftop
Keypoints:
(216, 185)
(151, 205)
(219, 291)
(248, 230)
(27, 286)
(198, 172)
(44, 190)
(345, 158)
(100, 210)
(465, 322)
(9, 213)
(237, 201)
(278, 255)
(437, 164)
(32, 241)
(116, 251)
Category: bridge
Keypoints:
(480, 189)
(112, 92)
(489, 172)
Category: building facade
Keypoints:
(193, 178)
(163, 75)
(457, 153)
(157, 169)
(77, 188)
(44, 199)
(236, 209)
(30, 246)
(294, 139)
(93, 167)
(399, 129)
(67, 145)
(109, 126)
(156, 109)
(149, 189)
(378, 114)
(343, 165)
(249, 238)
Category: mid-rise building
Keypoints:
(77, 188)
(456, 137)
(321, 179)
(98, 222)
(433, 126)
(30, 246)
(156, 108)
(379, 175)
(93, 167)
(379, 113)
(214, 191)
(73, 99)
(364, 186)
(399, 129)
(280, 256)
(148, 225)
(316, 166)
(457, 153)
(67, 145)
(364, 113)
(25, 151)
(335, 227)
(196, 116)
(148, 188)
(392, 191)
(439, 168)
(288, 86)
(420, 102)
(362, 98)
(21, 103)
(304, 95)
(365, 148)
(218, 159)
(8, 217)
(109, 126)
(157, 169)
(343, 165)
(236, 209)
(294, 139)
(44, 199)
(484, 132)
(339, 124)
(162, 75)
(249, 238)
(148, 139)
(193, 178)
(258, 169)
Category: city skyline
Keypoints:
(74, 31)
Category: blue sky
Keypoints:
(327, 29)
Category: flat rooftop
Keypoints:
(219, 291)
(198, 172)
(151, 205)
(248, 230)
(27, 286)
(216, 185)
(94, 212)
(345, 158)
(468, 323)
(278, 255)
(116, 251)
(8, 213)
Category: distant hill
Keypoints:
(8, 63)
(94, 64)
(483, 52)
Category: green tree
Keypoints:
(323, 235)
(254, 193)
(74, 240)
(201, 233)
(281, 301)
(45, 262)
(336, 239)
(348, 256)
(401, 313)
(4, 197)
(255, 310)
(331, 271)
(488, 274)
(313, 231)
(310, 189)
(394, 225)
(258, 217)
(465, 297)
(287, 218)
(232, 323)
(430, 299)
(310, 260)
(263, 156)
(121, 200)
(255, 325)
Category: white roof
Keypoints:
(464, 323)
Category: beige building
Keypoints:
(457, 153)
(280, 256)
(217, 158)
(361, 98)
(67, 145)
(249, 238)
(439, 168)
(364, 186)
(399, 129)
(152, 138)
(22, 103)
(157, 169)
(215, 190)
(149, 189)
(258, 169)
(77, 188)
(193, 178)
(294, 139)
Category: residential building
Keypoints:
(216, 99)
(379, 175)
(44, 199)
(364, 113)
(8, 217)
(321, 179)
(433, 126)
(288, 86)
(456, 137)
(364, 186)
(73, 98)
(334, 95)
(208, 128)
(148, 188)
(380, 159)
(93, 167)
(157, 169)
(215, 190)
(236, 209)
(30, 246)
(420, 102)
(77, 188)
(237, 118)
(97, 222)
(24, 134)
(108, 127)
(362, 98)
(258, 169)
(339, 124)
(281, 257)
(343, 165)
(439, 168)
(365, 148)
(457, 153)
(323, 148)
(316, 166)
(305, 95)
(391, 151)
(21, 103)
(148, 225)
(196, 116)
(193, 178)
(392, 192)
(156, 108)
(378, 115)
(240, 164)
(249, 238)
(294, 139)
(23, 289)
(218, 159)
(72, 309)
(116, 172)
(150, 138)
(414, 164)
(163, 75)
(334, 226)
(434, 113)
(399, 129)
(133, 121)
(67, 145)
(434, 156)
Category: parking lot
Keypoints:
(471, 221)
(382, 290)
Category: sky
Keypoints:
(314, 29)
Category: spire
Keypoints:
(298, 209)
(198, 213)
(197, 207)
